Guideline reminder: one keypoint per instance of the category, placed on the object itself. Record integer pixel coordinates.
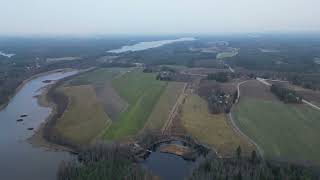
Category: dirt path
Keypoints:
(237, 129)
(264, 81)
(174, 112)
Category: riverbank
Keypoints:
(2, 106)
(43, 133)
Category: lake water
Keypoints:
(6, 54)
(148, 45)
(168, 166)
(18, 158)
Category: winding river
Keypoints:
(18, 158)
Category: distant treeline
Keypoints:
(286, 95)
(309, 81)
(277, 53)
(219, 77)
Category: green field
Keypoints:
(141, 91)
(281, 130)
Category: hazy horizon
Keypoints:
(84, 17)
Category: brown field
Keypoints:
(112, 103)
(255, 89)
(175, 149)
(162, 109)
(212, 130)
(84, 119)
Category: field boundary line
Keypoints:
(174, 109)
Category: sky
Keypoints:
(157, 17)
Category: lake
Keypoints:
(6, 54)
(148, 45)
(18, 158)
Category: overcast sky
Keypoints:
(157, 16)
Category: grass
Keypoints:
(96, 77)
(288, 131)
(141, 91)
(163, 107)
(211, 129)
(84, 117)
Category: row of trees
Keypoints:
(219, 77)
(285, 95)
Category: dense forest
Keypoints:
(111, 161)
(253, 168)
(283, 53)
(103, 161)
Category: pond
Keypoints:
(168, 166)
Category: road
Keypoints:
(264, 81)
(166, 128)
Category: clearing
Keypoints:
(210, 129)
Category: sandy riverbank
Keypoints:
(38, 138)
(2, 106)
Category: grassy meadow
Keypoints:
(141, 91)
(287, 131)
(210, 129)
(84, 118)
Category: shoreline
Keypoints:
(2, 106)
(39, 138)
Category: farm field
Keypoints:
(284, 131)
(85, 98)
(84, 117)
(210, 129)
(161, 111)
(141, 91)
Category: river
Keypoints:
(18, 158)
(148, 45)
